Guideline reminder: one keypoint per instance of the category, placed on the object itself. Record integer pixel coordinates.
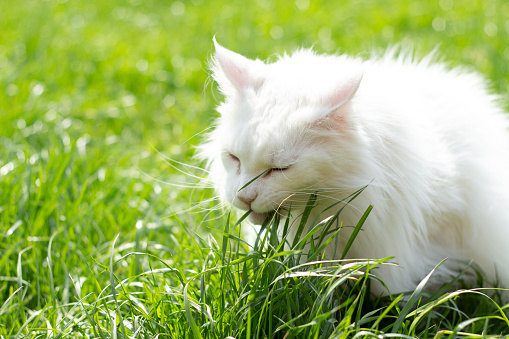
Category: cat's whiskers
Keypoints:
(209, 212)
(170, 162)
(321, 194)
(208, 206)
(215, 202)
(281, 204)
(183, 168)
(201, 185)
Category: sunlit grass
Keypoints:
(95, 243)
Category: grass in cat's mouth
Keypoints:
(259, 218)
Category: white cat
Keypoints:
(431, 144)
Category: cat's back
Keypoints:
(428, 86)
(429, 96)
(421, 88)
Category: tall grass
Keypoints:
(236, 289)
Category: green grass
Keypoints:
(95, 244)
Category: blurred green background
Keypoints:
(91, 91)
(110, 83)
(135, 72)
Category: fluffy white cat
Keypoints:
(430, 142)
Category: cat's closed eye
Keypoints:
(230, 158)
(231, 161)
(233, 157)
(276, 169)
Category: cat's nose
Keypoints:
(247, 200)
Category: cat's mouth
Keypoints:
(258, 218)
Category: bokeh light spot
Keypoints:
(446, 5)
(177, 8)
(276, 32)
(438, 24)
(38, 89)
(490, 29)
(302, 4)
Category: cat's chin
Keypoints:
(257, 218)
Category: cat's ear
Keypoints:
(343, 92)
(238, 70)
(336, 118)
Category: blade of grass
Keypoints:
(20, 285)
(413, 300)
(52, 285)
(356, 231)
(189, 315)
(113, 289)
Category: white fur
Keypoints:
(432, 144)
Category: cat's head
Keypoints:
(288, 122)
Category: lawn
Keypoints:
(106, 232)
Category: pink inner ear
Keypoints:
(343, 93)
(235, 67)
(237, 74)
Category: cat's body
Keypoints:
(431, 144)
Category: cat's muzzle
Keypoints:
(258, 218)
